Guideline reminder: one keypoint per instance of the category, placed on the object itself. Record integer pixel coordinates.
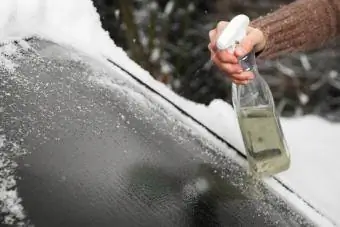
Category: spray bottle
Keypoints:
(260, 126)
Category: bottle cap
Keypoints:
(234, 32)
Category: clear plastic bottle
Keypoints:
(266, 148)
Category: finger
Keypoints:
(242, 76)
(212, 34)
(253, 38)
(247, 75)
(212, 37)
(226, 67)
(210, 47)
(242, 82)
(226, 57)
(244, 48)
(220, 27)
(231, 68)
(212, 51)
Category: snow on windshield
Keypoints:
(10, 203)
(312, 141)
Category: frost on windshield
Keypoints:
(12, 212)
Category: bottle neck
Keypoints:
(248, 63)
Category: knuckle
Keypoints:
(228, 68)
(225, 58)
(221, 24)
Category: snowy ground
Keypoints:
(313, 142)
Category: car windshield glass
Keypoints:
(83, 142)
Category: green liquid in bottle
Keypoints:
(263, 141)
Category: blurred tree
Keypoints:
(169, 39)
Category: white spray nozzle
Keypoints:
(234, 32)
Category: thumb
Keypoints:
(254, 40)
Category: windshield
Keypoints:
(82, 142)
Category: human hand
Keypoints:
(227, 62)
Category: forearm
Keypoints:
(300, 26)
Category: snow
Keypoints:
(169, 7)
(314, 144)
(9, 200)
(313, 141)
